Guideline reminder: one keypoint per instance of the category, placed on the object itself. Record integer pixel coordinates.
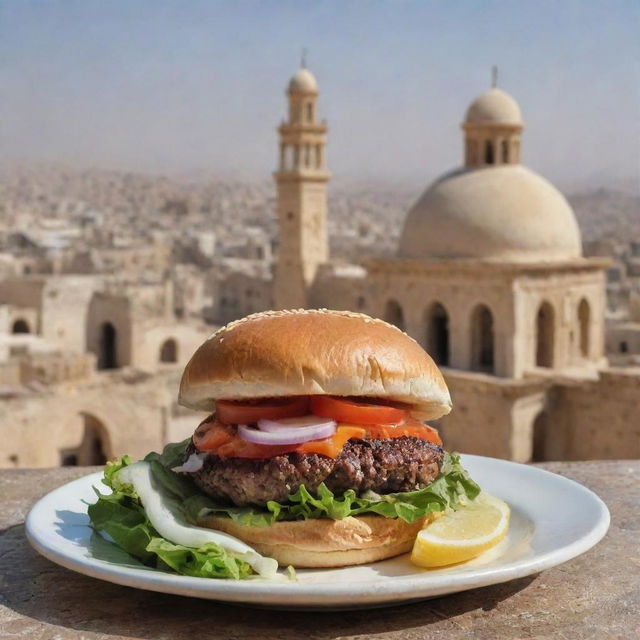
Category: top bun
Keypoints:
(313, 352)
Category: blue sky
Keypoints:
(187, 85)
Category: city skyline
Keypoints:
(159, 88)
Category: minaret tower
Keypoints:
(301, 181)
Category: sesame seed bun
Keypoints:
(314, 352)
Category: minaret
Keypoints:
(493, 128)
(301, 181)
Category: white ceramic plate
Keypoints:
(553, 520)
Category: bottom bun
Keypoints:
(325, 542)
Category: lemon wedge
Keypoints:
(461, 535)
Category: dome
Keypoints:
(303, 82)
(505, 213)
(494, 107)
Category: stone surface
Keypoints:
(596, 595)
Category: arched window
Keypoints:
(393, 314)
(584, 320)
(94, 448)
(309, 111)
(438, 334)
(488, 152)
(539, 444)
(169, 351)
(505, 151)
(361, 302)
(482, 339)
(20, 326)
(545, 335)
(318, 156)
(107, 356)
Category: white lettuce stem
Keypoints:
(165, 516)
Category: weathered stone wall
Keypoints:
(597, 419)
(133, 414)
(22, 292)
(56, 367)
(342, 293)
(240, 294)
(148, 339)
(491, 416)
(65, 303)
(552, 418)
(564, 291)
(460, 291)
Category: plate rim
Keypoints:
(270, 593)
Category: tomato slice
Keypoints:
(211, 434)
(365, 411)
(248, 411)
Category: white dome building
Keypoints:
(490, 278)
(494, 106)
(303, 81)
(505, 212)
(493, 208)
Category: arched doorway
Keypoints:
(108, 352)
(539, 437)
(169, 351)
(94, 448)
(393, 314)
(545, 337)
(584, 321)
(482, 340)
(438, 333)
(20, 326)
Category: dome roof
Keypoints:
(494, 107)
(506, 213)
(303, 82)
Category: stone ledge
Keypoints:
(594, 595)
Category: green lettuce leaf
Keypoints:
(209, 561)
(451, 489)
(121, 515)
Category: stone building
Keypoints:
(490, 278)
(94, 363)
(121, 323)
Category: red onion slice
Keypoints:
(293, 425)
(289, 435)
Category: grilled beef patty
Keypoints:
(384, 466)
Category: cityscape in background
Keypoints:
(527, 298)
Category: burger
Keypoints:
(315, 451)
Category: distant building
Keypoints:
(489, 277)
(89, 368)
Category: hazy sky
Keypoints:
(186, 85)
